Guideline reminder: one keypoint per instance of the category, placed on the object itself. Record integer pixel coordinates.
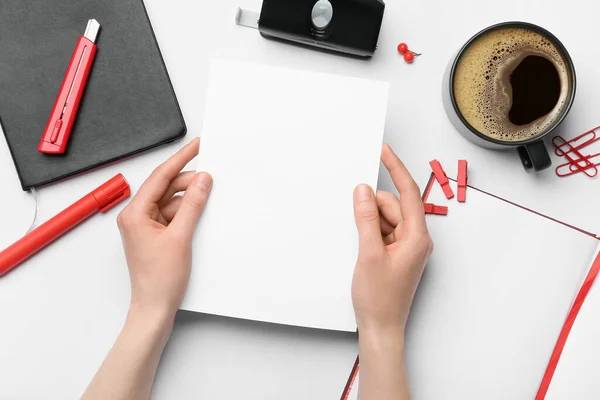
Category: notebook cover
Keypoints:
(485, 318)
(493, 297)
(129, 104)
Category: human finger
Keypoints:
(411, 205)
(389, 207)
(192, 204)
(385, 226)
(169, 208)
(179, 184)
(367, 219)
(158, 182)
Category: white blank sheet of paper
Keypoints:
(277, 241)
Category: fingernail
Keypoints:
(364, 193)
(193, 141)
(203, 180)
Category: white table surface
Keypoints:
(61, 311)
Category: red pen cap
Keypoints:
(112, 192)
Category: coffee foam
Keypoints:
(482, 96)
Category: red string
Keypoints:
(566, 329)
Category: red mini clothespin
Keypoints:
(433, 209)
(442, 178)
(462, 180)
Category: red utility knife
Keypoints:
(59, 126)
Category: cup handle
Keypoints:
(534, 156)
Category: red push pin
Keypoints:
(409, 55)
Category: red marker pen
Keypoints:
(59, 126)
(103, 198)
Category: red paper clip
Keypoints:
(577, 143)
(462, 180)
(433, 209)
(570, 149)
(572, 168)
(442, 178)
(566, 148)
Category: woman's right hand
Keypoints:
(394, 246)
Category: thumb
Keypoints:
(192, 204)
(366, 215)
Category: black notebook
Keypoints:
(128, 105)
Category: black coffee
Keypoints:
(510, 84)
(535, 90)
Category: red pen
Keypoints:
(101, 199)
(59, 126)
